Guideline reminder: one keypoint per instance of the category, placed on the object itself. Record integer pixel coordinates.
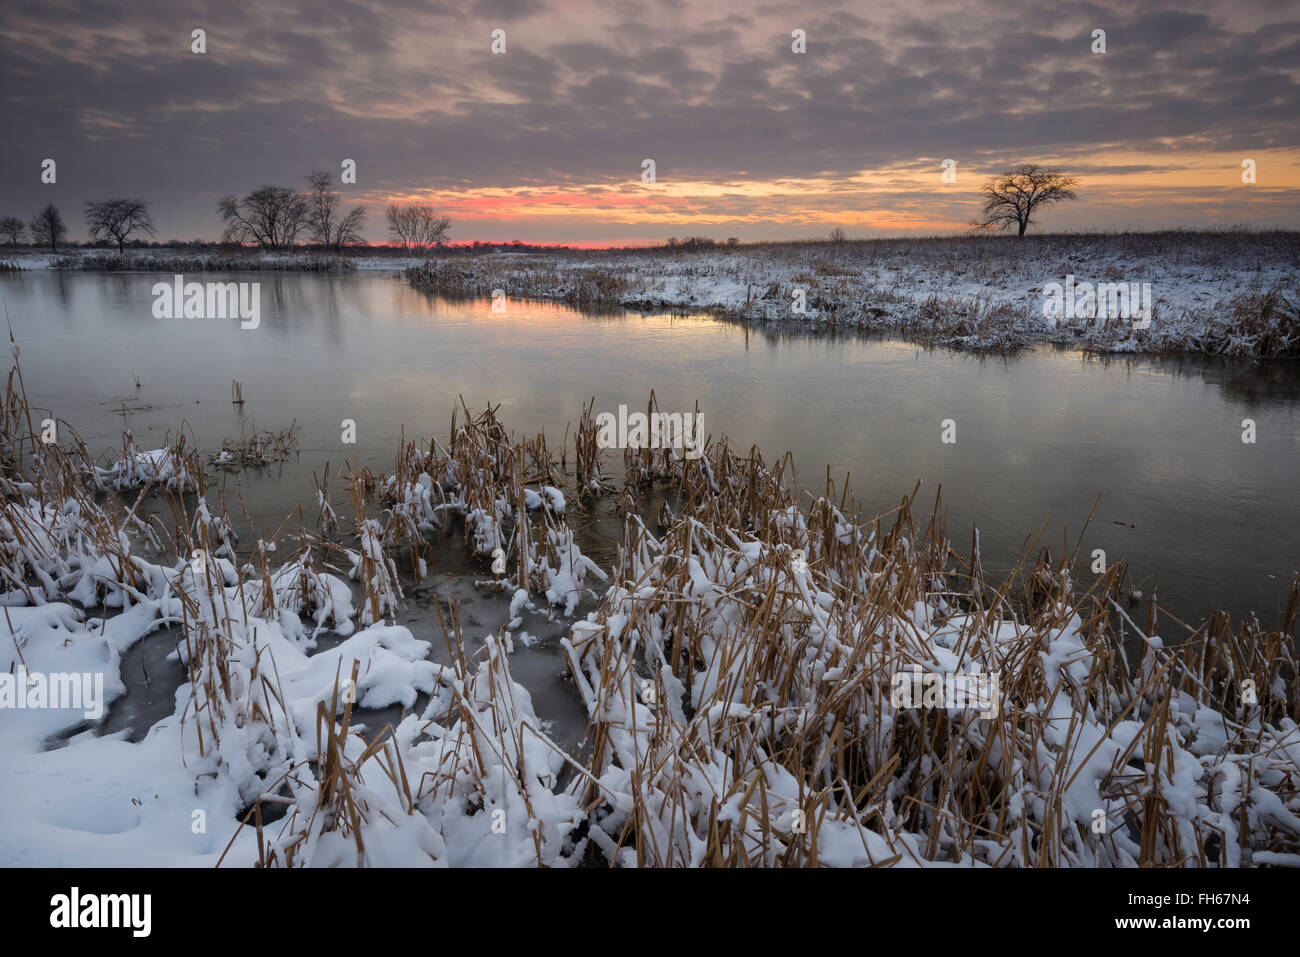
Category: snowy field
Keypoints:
(1219, 293)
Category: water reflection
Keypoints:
(1206, 520)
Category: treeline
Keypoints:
(277, 218)
(270, 218)
(109, 222)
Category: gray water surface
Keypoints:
(1208, 521)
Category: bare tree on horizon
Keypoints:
(323, 221)
(271, 216)
(118, 219)
(48, 229)
(12, 228)
(417, 227)
(1012, 198)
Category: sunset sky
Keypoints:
(545, 142)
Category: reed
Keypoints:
(380, 587)
(332, 806)
(740, 702)
(256, 449)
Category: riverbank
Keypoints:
(204, 260)
(1231, 294)
(1176, 293)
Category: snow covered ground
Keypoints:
(1207, 289)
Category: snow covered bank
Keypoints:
(1220, 293)
(199, 260)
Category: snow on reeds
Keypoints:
(1252, 325)
(473, 781)
(336, 817)
(503, 490)
(255, 449)
(173, 466)
(740, 674)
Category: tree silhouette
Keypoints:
(417, 227)
(118, 219)
(1013, 197)
(271, 216)
(324, 223)
(48, 229)
(12, 228)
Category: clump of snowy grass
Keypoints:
(506, 493)
(173, 466)
(337, 818)
(255, 449)
(377, 572)
(1252, 325)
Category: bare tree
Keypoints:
(48, 229)
(837, 235)
(1012, 198)
(12, 229)
(417, 227)
(399, 224)
(118, 219)
(348, 231)
(271, 216)
(323, 220)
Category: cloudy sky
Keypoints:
(545, 141)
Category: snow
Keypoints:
(969, 292)
(169, 466)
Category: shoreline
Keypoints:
(1224, 294)
(926, 291)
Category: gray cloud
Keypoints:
(412, 92)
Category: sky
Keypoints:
(545, 142)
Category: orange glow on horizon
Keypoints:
(908, 199)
